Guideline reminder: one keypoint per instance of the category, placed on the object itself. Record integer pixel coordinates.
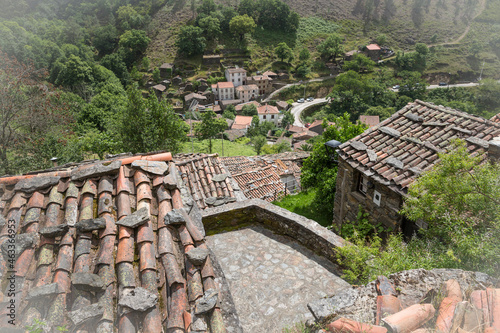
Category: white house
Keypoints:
(238, 76)
(269, 113)
(223, 90)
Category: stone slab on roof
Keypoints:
(414, 136)
(149, 255)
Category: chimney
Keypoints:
(54, 161)
(494, 149)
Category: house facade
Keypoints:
(247, 92)
(265, 83)
(237, 76)
(223, 90)
(376, 168)
(269, 113)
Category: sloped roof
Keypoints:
(373, 47)
(95, 236)
(159, 87)
(262, 183)
(396, 151)
(223, 85)
(239, 107)
(208, 182)
(267, 109)
(236, 70)
(269, 73)
(319, 122)
(242, 122)
(190, 96)
(247, 87)
(496, 118)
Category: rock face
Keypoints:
(141, 300)
(95, 170)
(135, 219)
(90, 225)
(154, 167)
(197, 256)
(55, 231)
(87, 282)
(327, 307)
(207, 302)
(174, 217)
(90, 312)
(46, 290)
(36, 183)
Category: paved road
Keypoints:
(297, 109)
(270, 97)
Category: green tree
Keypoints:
(209, 127)
(105, 39)
(207, 7)
(229, 112)
(359, 63)
(304, 55)
(460, 200)
(258, 142)
(148, 125)
(331, 47)
(475, 48)
(190, 40)
(249, 110)
(211, 26)
(128, 18)
(156, 75)
(381, 39)
(241, 25)
(283, 51)
(288, 119)
(319, 171)
(249, 8)
(135, 41)
(412, 85)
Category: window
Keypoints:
(238, 79)
(363, 184)
(264, 117)
(272, 116)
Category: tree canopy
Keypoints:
(283, 51)
(190, 40)
(209, 127)
(241, 25)
(331, 47)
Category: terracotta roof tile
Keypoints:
(122, 257)
(415, 135)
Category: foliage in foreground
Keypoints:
(319, 171)
(459, 199)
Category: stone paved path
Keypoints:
(271, 277)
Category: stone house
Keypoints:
(317, 126)
(270, 74)
(269, 113)
(223, 90)
(166, 70)
(238, 76)
(242, 123)
(247, 92)
(373, 52)
(265, 83)
(159, 89)
(189, 98)
(376, 168)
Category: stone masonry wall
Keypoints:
(307, 232)
(348, 199)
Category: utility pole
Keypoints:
(222, 140)
(191, 109)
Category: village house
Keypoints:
(247, 92)
(223, 90)
(194, 96)
(242, 123)
(376, 168)
(264, 83)
(373, 52)
(317, 126)
(238, 76)
(270, 74)
(269, 113)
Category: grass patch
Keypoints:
(314, 89)
(303, 204)
(230, 148)
(311, 27)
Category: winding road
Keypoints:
(270, 97)
(297, 109)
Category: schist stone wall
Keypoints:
(306, 232)
(348, 199)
